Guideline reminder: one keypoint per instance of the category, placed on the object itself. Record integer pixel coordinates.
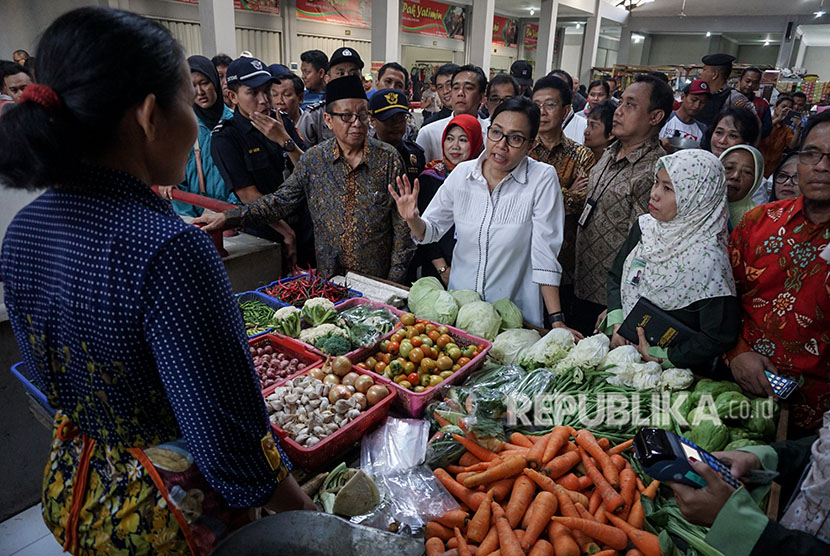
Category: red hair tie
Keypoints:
(43, 95)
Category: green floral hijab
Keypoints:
(737, 209)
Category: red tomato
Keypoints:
(428, 365)
(362, 365)
(442, 341)
(413, 378)
(416, 355)
(481, 347)
(421, 327)
(416, 341)
(380, 367)
(394, 346)
(433, 335)
(397, 337)
(463, 361)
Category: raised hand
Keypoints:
(407, 200)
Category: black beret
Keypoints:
(718, 60)
(348, 86)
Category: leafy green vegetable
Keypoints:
(716, 388)
(548, 351)
(462, 297)
(762, 426)
(709, 436)
(319, 310)
(742, 443)
(737, 433)
(511, 315)
(509, 346)
(479, 318)
(732, 405)
(420, 288)
(287, 321)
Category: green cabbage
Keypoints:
(730, 405)
(462, 297)
(480, 319)
(701, 414)
(420, 288)
(510, 345)
(741, 443)
(436, 305)
(709, 436)
(765, 407)
(716, 388)
(737, 433)
(511, 315)
(685, 406)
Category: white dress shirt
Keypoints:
(429, 138)
(575, 130)
(507, 242)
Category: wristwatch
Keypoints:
(443, 269)
(556, 317)
(289, 145)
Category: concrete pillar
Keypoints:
(480, 39)
(290, 51)
(624, 54)
(590, 42)
(520, 48)
(547, 37)
(785, 51)
(217, 27)
(802, 51)
(386, 32)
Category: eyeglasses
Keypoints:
(781, 178)
(811, 157)
(498, 100)
(350, 117)
(548, 106)
(514, 140)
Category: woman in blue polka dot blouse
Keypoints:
(123, 313)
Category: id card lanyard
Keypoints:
(592, 201)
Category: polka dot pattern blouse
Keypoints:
(126, 319)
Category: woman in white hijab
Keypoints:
(676, 257)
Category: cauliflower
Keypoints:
(319, 310)
(287, 321)
(285, 312)
(676, 379)
(311, 335)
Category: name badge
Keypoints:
(635, 274)
(586, 212)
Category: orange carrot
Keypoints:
(537, 452)
(640, 486)
(607, 552)
(568, 481)
(622, 447)
(619, 462)
(586, 440)
(568, 508)
(470, 498)
(546, 505)
(519, 535)
(454, 518)
(605, 534)
(584, 482)
(604, 443)
(520, 499)
(651, 489)
(479, 525)
(462, 544)
(456, 469)
(611, 499)
(463, 476)
(500, 489)
(508, 543)
(541, 548)
(467, 459)
(529, 514)
(434, 546)
(595, 501)
(646, 542)
(562, 541)
(599, 515)
(519, 439)
(633, 552)
(628, 487)
(637, 516)
(435, 529)
(558, 437)
(546, 483)
(440, 420)
(560, 465)
(511, 467)
(583, 513)
(474, 448)
(490, 542)
(508, 447)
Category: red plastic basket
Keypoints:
(413, 403)
(334, 444)
(288, 346)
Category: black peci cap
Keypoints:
(345, 54)
(348, 86)
(718, 60)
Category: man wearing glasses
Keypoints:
(783, 286)
(468, 86)
(344, 181)
(572, 162)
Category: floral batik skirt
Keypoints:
(99, 499)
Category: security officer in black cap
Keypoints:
(389, 109)
(716, 71)
(522, 71)
(256, 150)
(311, 126)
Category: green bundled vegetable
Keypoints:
(319, 310)
(362, 335)
(511, 315)
(287, 321)
(380, 319)
(333, 344)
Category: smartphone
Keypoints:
(781, 385)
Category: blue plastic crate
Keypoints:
(352, 293)
(266, 299)
(19, 371)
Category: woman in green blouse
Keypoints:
(676, 257)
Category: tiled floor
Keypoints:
(26, 535)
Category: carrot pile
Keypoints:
(562, 494)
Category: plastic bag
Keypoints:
(397, 444)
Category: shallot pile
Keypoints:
(273, 366)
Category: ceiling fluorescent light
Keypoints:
(766, 42)
(820, 12)
(532, 11)
(708, 33)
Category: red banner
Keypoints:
(427, 17)
(265, 6)
(354, 13)
(505, 31)
(531, 36)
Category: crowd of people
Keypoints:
(715, 208)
